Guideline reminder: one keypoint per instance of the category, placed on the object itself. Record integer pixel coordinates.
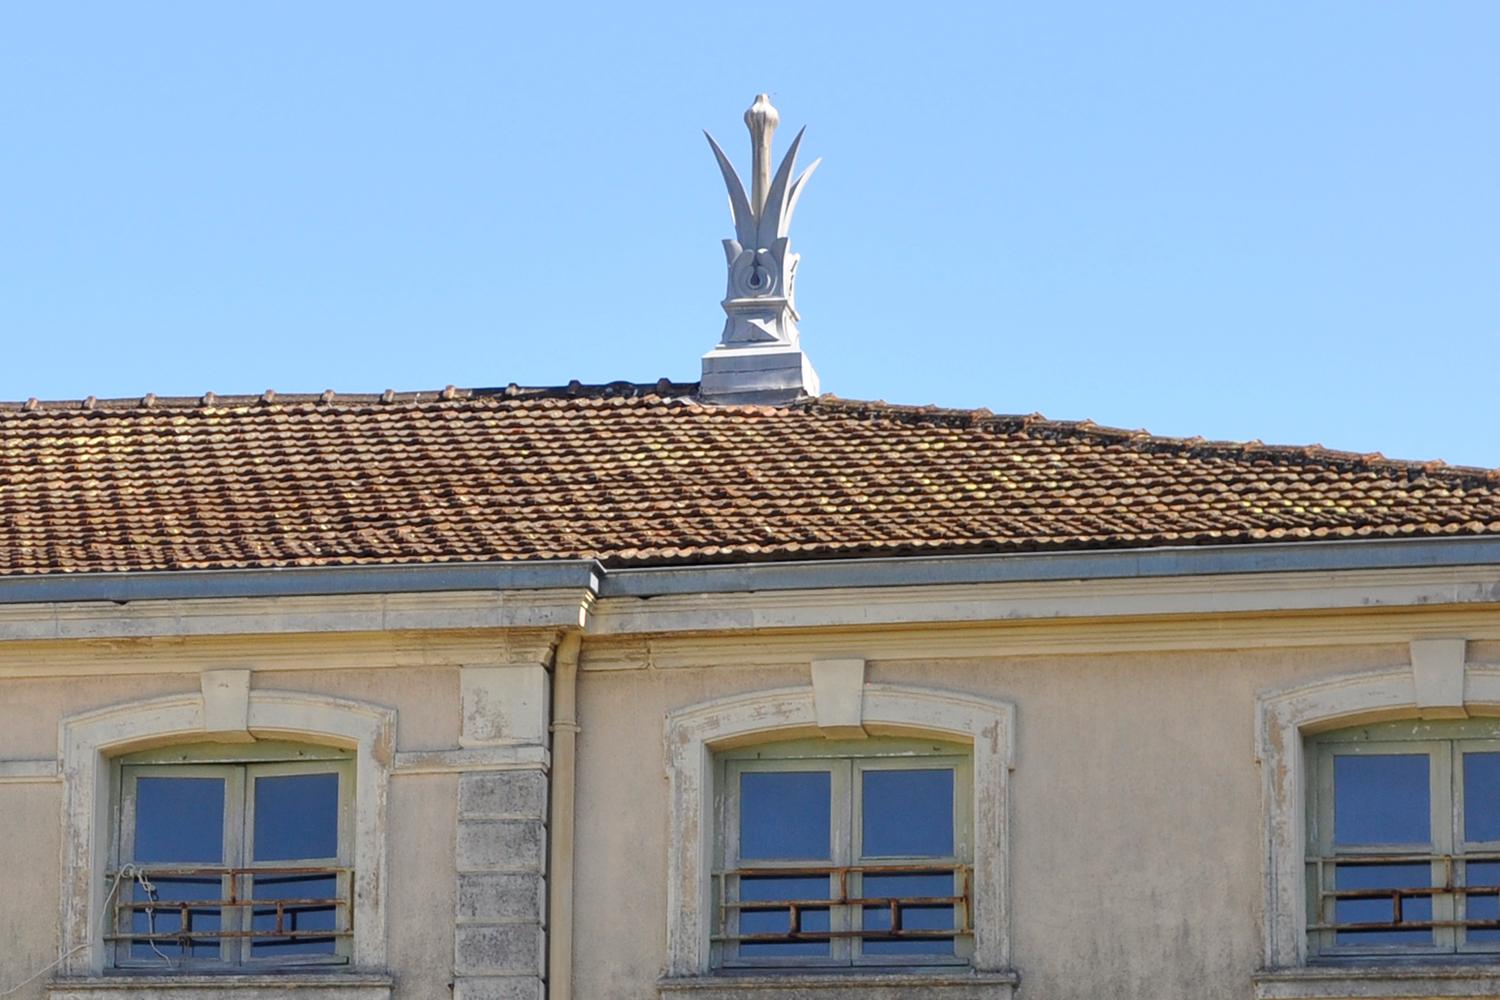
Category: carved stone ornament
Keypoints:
(758, 358)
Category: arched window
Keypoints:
(256, 818)
(855, 824)
(1382, 809)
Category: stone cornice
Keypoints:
(562, 608)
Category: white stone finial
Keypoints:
(758, 358)
(761, 119)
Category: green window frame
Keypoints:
(1432, 886)
(843, 924)
(235, 909)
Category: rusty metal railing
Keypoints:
(1444, 883)
(238, 894)
(840, 896)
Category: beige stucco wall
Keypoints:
(1135, 802)
(30, 842)
(1137, 836)
(423, 818)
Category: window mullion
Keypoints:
(122, 921)
(842, 918)
(1447, 840)
(235, 919)
(729, 835)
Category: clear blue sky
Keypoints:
(1274, 220)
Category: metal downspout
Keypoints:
(564, 769)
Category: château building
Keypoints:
(731, 690)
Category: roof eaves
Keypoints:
(812, 574)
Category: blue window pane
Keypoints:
(296, 817)
(784, 815)
(1382, 909)
(1481, 796)
(908, 813)
(301, 922)
(913, 917)
(180, 924)
(179, 820)
(778, 921)
(1481, 905)
(1381, 799)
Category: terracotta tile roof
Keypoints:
(643, 474)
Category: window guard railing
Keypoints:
(238, 897)
(840, 897)
(1447, 885)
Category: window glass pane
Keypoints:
(913, 917)
(907, 813)
(296, 817)
(1481, 796)
(179, 820)
(1482, 906)
(1381, 799)
(1380, 908)
(167, 916)
(301, 920)
(778, 921)
(784, 815)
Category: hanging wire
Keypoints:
(151, 898)
(130, 871)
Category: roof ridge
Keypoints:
(1037, 422)
(620, 389)
(1032, 423)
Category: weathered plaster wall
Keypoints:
(33, 706)
(1137, 838)
(30, 846)
(1136, 828)
(426, 698)
(423, 826)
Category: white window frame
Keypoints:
(845, 762)
(1443, 743)
(91, 740)
(239, 767)
(695, 734)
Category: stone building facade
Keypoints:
(544, 693)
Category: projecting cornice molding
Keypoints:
(506, 612)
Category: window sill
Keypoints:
(848, 986)
(257, 987)
(1379, 982)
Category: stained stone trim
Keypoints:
(501, 854)
(1380, 982)
(857, 986)
(491, 988)
(314, 987)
